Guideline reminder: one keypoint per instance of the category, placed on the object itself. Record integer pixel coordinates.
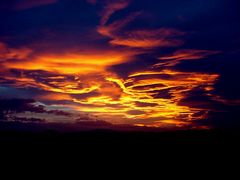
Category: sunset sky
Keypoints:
(147, 63)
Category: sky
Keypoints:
(146, 63)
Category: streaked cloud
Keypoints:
(70, 63)
(185, 54)
(164, 37)
(139, 38)
(189, 54)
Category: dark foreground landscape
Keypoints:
(92, 148)
(62, 137)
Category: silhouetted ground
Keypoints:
(17, 136)
(122, 151)
(114, 138)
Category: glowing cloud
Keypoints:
(89, 82)
(78, 63)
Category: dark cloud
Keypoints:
(13, 106)
(135, 112)
(29, 120)
(10, 109)
(164, 94)
(143, 104)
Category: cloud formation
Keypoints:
(138, 38)
(71, 63)
(164, 37)
(118, 70)
(7, 53)
(111, 7)
(183, 55)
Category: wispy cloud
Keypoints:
(69, 63)
(111, 7)
(185, 54)
(138, 38)
(163, 37)
(188, 54)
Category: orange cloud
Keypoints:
(164, 110)
(72, 63)
(104, 94)
(54, 97)
(138, 98)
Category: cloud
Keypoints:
(146, 86)
(81, 78)
(29, 110)
(29, 120)
(7, 53)
(164, 37)
(189, 54)
(143, 38)
(143, 104)
(71, 63)
(114, 29)
(138, 38)
(185, 54)
(28, 4)
(17, 105)
(9, 107)
(111, 7)
(136, 112)
(141, 96)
